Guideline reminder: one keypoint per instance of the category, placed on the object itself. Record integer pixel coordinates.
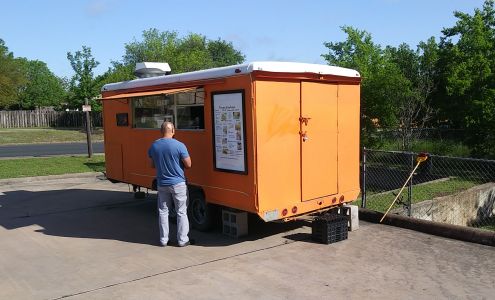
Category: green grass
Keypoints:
(381, 201)
(27, 167)
(488, 224)
(45, 135)
(421, 192)
(437, 147)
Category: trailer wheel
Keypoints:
(201, 214)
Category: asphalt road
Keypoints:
(37, 150)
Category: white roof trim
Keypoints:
(267, 66)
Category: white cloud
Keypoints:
(96, 8)
(265, 41)
(238, 41)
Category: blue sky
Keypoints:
(263, 30)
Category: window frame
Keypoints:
(174, 107)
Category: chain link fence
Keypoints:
(458, 191)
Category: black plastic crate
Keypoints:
(330, 228)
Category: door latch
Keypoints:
(304, 135)
(304, 120)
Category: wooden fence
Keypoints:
(39, 118)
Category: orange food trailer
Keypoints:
(275, 139)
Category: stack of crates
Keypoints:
(234, 223)
(329, 228)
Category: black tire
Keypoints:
(201, 214)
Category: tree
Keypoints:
(396, 82)
(414, 110)
(11, 77)
(83, 85)
(42, 87)
(118, 72)
(467, 67)
(382, 86)
(223, 53)
(183, 54)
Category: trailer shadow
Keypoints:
(104, 214)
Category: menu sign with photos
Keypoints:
(228, 131)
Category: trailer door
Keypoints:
(318, 132)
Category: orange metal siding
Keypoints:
(319, 151)
(278, 148)
(233, 190)
(349, 130)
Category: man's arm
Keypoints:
(151, 162)
(187, 162)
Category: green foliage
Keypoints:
(12, 78)
(155, 46)
(451, 83)
(467, 97)
(393, 82)
(183, 54)
(26, 84)
(27, 167)
(445, 147)
(488, 224)
(413, 107)
(359, 52)
(83, 84)
(223, 53)
(118, 72)
(42, 87)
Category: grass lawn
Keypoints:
(46, 135)
(381, 201)
(437, 147)
(488, 224)
(421, 192)
(27, 167)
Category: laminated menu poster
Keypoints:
(229, 135)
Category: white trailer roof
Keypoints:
(267, 66)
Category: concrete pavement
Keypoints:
(85, 238)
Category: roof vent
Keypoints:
(151, 69)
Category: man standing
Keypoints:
(170, 157)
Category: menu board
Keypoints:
(229, 131)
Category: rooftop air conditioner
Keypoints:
(151, 69)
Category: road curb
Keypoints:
(49, 177)
(462, 233)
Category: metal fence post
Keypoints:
(410, 188)
(363, 180)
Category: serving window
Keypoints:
(184, 109)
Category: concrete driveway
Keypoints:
(85, 238)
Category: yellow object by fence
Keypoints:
(421, 158)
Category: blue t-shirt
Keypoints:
(167, 155)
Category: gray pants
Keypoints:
(178, 194)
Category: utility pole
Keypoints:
(88, 128)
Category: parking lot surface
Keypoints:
(86, 238)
